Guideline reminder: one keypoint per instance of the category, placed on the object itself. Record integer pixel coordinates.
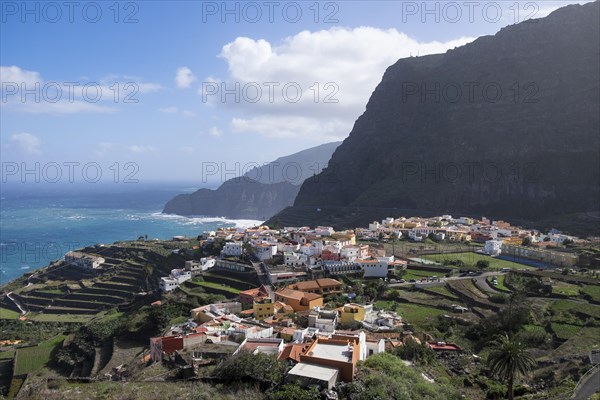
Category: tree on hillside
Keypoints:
(526, 241)
(482, 264)
(510, 359)
(394, 237)
(148, 270)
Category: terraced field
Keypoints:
(467, 291)
(565, 331)
(593, 291)
(5, 313)
(443, 290)
(30, 359)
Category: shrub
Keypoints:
(499, 298)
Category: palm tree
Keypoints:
(148, 270)
(394, 238)
(509, 360)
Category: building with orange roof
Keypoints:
(298, 300)
(334, 353)
(321, 286)
(250, 296)
(292, 352)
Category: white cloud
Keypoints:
(214, 131)
(351, 62)
(70, 96)
(27, 143)
(102, 148)
(274, 126)
(175, 110)
(140, 148)
(184, 77)
(17, 75)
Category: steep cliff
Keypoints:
(507, 126)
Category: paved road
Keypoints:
(452, 278)
(17, 302)
(483, 285)
(588, 385)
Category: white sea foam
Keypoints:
(239, 223)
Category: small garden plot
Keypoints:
(30, 359)
(565, 331)
(443, 290)
(5, 313)
(592, 291)
(566, 289)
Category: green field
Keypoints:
(417, 275)
(565, 331)
(5, 313)
(593, 291)
(217, 286)
(581, 307)
(414, 314)
(442, 290)
(5, 355)
(470, 259)
(60, 317)
(30, 359)
(564, 288)
(534, 328)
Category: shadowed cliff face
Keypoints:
(507, 126)
(260, 193)
(239, 198)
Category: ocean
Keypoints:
(40, 223)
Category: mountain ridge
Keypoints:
(521, 155)
(259, 193)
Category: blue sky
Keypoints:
(175, 58)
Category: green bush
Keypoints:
(293, 392)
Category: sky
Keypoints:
(194, 91)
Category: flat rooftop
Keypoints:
(312, 371)
(339, 352)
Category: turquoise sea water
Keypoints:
(39, 223)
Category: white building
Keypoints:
(350, 253)
(324, 230)
(265, 251)
(83, 260)
(374, 268)
(294, 259)
(233, 249)
(324, 320)
(172, 282)
(374, 226)
(181, 275)
(493, 247)
(195, 267)
(168, 284)
(341, 267)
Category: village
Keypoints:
(288, 314)
(318, 301)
